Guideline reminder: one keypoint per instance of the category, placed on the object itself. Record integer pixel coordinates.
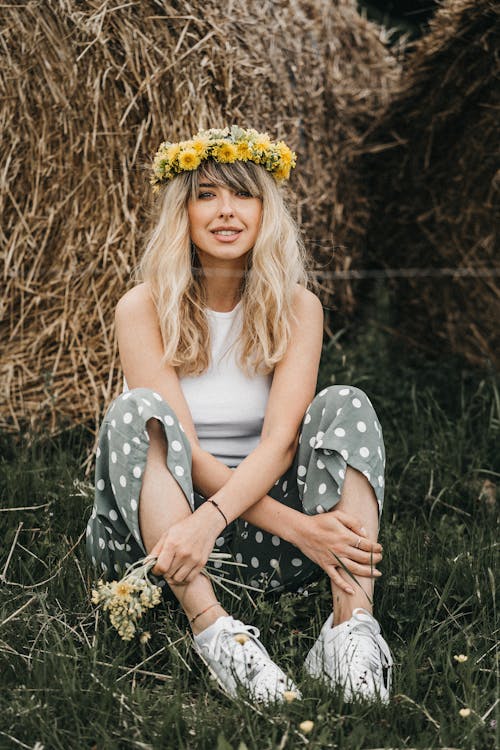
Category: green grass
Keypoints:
(67, 681)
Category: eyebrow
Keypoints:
(207, 184)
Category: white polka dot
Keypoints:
(113, 515)
(305, 488)
(344, 392)
(88, 531)
(145, 401)
(109, 434)
(320, 509)
(239, 557)
(312, 441)
(219, 541)
(375, 424)
(126, 448)
(284, 485)
(274, 563)
(126, 395)
(364, 452)
(94, 561)
(319, 443)
(102, 543)
(137, 471)
(116, 568)
(322, 393)
(259, 536)
(300, 438)
(168, 420)
(113, 457)
(94, 513)
(322, 488)
(361, 426)
(179, 471)
(275, 540)
(381, 481)
(157, 396)
(100, 484)
(176, 445)
(140, 409)
(379, 451)
(108, 529)
(307, 419)
(104, 566)
(128, 547)
(181, 428)
(123, 481)
(356, 402)
(323, 410)
(254, 562)
(119, 546)
(320, 435)
(320, 464)
(111, 545)
(127, 417)
(301, 471)
(344, 454)
(124, 512)
(136, 440)
(338, 411)
(98, 452)
(133, 504)
(217, 563)
(339, 431)
(296, 562)
(113, 423)
(367, 475)
(274, 583)
(327, 452)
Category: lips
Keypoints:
(226, 231)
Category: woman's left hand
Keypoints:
(183, 550)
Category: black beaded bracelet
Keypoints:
(220, 511)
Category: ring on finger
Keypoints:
(358, 542)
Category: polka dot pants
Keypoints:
(340, 428)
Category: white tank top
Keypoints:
(227, 407)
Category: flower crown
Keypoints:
(226, 146)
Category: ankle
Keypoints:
(344, 613)
(202, 619)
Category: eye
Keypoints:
(244, 194)
(205, 194)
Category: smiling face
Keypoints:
(224, 220)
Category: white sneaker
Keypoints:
(235, 657)
(353, 655)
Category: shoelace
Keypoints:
(247, 659)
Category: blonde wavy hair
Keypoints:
(173, 272)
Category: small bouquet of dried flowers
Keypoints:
(126, 600)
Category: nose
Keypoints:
(226, 207)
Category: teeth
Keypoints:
(227, 232)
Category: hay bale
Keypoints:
(90, 90)
(435, 186)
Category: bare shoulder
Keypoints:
(136, 301)
(306, 303)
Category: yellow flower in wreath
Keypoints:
(189, 159)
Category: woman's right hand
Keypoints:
(334, 539)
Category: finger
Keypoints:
(353, 523)
(163, 563)
(367, 545)
(364, 558)
(366, 571)
(339, 581)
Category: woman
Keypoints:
(218, 441)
